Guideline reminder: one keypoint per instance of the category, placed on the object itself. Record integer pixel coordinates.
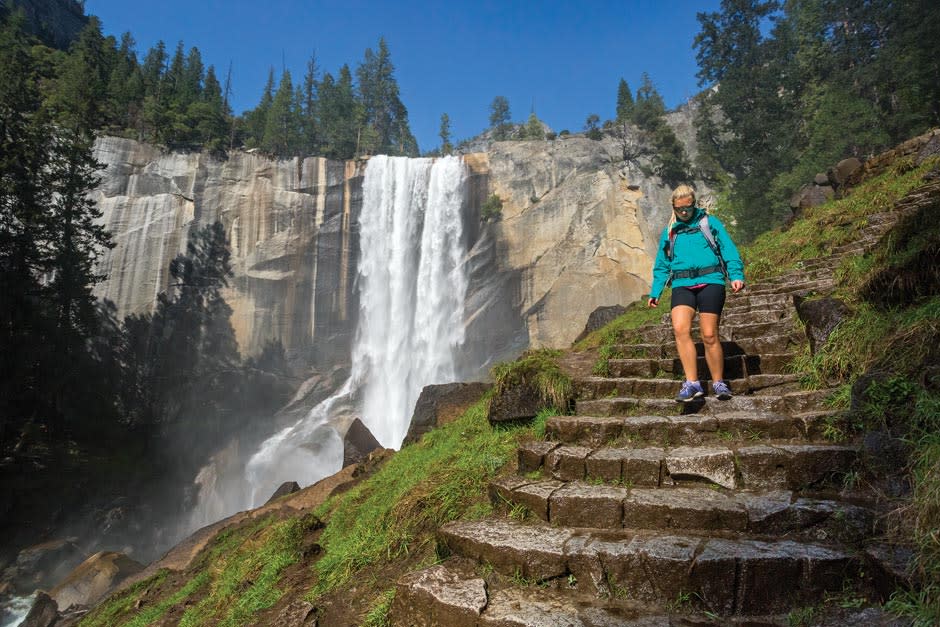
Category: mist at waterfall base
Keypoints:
(412, 283)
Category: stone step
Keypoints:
(744, 426)
(771, 343)
(736, 366)
(744, 302)
(726, 576)
(726, 332)
(607, 387)
(580, 504)
(804, 287)
(755, 466)
(449, 595)
(788, 403)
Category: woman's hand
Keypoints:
(652, 302)
(737, 286)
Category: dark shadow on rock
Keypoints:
(441, 404)
(599, 318)
(358, 443)
(288, 487)
(821, 317)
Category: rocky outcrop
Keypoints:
(289, 225)
(56, 22)
(94, 578)
(441, 404)
(578, 230)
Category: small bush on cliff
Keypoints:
(491, 209)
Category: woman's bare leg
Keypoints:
(714, 355)
(682, 328)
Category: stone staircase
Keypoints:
(641, 511)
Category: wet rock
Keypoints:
(358, 443)
(821, 317)
(440, 404)
(890, 567)
(94, 578)
(288, 487)
(532, 455)
(43, 613)
(683, 508)
(599, 318)
(582, 505)
(520, 402)
(534, 552)
(437, 596)
(567, 463)
(41, 565)
(714, 464)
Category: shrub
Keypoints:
(492, 209)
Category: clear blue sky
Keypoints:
(564, 57)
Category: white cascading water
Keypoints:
(412, 285)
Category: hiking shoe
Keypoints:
(722, 391)
(690, 390)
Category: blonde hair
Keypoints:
(683, 191)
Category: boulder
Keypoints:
(43, 613)
(520, 402)
(600, 317)
(94, 578)
(358, 443)
(810, 196)
(288, 487)
(41, 565)
(821, 317)
(441, 404)
(821, 179)
(842, 172)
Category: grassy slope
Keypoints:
(346, 566)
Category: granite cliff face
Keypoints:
(290, 225)
(578, 230)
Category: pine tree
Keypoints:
(446, 147)
(340, 115)
(624, 102)
(533, 128)
(310, 131)
(384, 113)
(256, 119)
(500, 118)
(282, 125)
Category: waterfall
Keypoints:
(412, 284)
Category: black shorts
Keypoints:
(708, 299)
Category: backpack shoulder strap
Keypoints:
(706, 228)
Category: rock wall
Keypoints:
(290, 225)
(578, 230)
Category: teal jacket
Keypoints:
(692, 251)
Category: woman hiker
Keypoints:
(697, 256)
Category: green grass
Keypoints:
(538, 369)
(610, 339)
(830, 225)
(108, 613)
(395, 512)
(243, 570)
(378, 614)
